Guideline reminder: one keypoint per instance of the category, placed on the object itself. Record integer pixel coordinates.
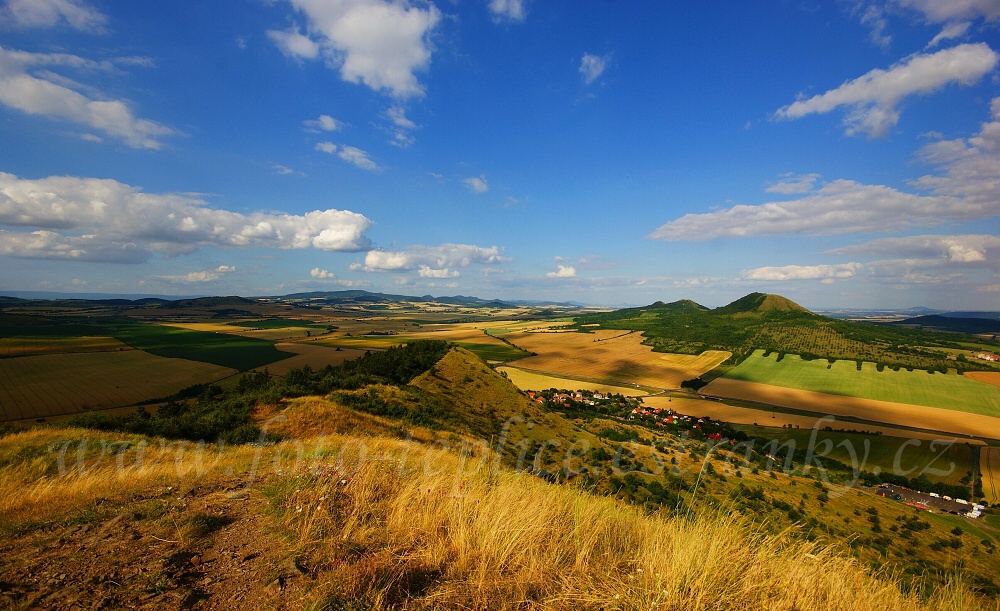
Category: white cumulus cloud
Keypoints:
(562, 271)
(76, 14)
(380, 43)
(428, 272)
(324, 123)
(592, 67)
(434, 258)
(793, 185)
(50, 95)
(872, 99)
(358, 158)
(90, 219)
(322, 274)
(939, 11)
(803, 272)
(512, 10)
(477, 184)
(950, 248)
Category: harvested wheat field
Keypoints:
(760, 417)
(611, 355)
(901, 414)
(988, 377)
(56, 384)
(529, 380)
(33, 346)
(989, 467)
(314, 355)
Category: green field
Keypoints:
(240, 353)
(940, 463)
(918, 387)
(279, 323)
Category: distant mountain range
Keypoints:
(326, 297)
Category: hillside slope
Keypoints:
(386, 524)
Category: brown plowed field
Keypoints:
(989, 377)
(900, 414)
(611, 355)
(989, 466)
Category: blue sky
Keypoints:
(839, 153)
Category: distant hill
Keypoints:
(772, 322)
(760, 303)
(989, 315)
(949, 323)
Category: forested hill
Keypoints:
(773, 322)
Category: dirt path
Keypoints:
(217, 552)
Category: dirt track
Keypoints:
(902, 414)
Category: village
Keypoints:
(631, 409)
(930, 501)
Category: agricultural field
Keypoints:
(271, 334)
(469, 337)
(311, 354)
(989, 467)
(899, 414)
(943, 459)
(55, 384)
(987, 377)
(33, 346)
(945, 391)
(611, 355)
(225, 350)
(773, 419)
(529, 380)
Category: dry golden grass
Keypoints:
(464, 534)
(901, 414)
(611, 355)
(307, 417)
(54, 384)
(529, 380)
(33, 346)
(989, 467)
(389, 522)
(48, 473)
(989, 377)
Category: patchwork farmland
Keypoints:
(945, 391)
(989, 467)
(58, 384)
(530, 380)
(612, 356)
(869, 410)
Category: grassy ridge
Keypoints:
(424, 527)
(947, 391)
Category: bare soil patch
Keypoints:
(989, 377)
(204, 548)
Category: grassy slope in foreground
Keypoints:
(420, 527)
(947, 391)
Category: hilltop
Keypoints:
(411, 480)
(761, 303)
(776, 323)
